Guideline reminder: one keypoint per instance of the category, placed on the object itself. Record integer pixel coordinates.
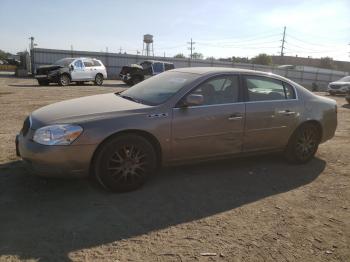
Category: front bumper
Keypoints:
(55, 161)
(342, 90)
(125, 77)
(49, 77)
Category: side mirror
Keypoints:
(193, 100)
(71, 67)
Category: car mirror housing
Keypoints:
(71, 67)
(193, 100)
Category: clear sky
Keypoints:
(220, 28)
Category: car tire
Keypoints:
(303, 144)
(98, 80)
(124, 163)
(64, 80)
(43, 82)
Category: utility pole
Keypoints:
(283, 41)
(191, 47)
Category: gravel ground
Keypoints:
(251, 209)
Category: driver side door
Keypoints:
(213, 128)
(78, 72)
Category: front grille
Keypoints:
(26, 126)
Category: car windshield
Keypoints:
(344, 79)
(64, 61)
(156, 90)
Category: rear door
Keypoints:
(214, 128)
(272, 112)
(90, 70)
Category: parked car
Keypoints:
(133, 74)
(67, 70)
(347, 97)
(183, 115)
(341, 86)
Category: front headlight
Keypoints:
(63, 134)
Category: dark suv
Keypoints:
(136, 73)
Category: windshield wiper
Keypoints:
(130, 98)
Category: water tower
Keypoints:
(148, 45)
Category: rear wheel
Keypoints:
(98, 80)
(124, 163)
(303, 144)
(64, 80)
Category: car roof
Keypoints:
(82, 58)
(212, 70)
(156, 61)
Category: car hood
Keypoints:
(84, 109)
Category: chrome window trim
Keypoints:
(226, 104)
(207, 79)
(275, 78)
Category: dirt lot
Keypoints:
(253, 209)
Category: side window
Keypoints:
(158, 68)
(78, 64)
(220, 90)
(264, 89)
(88, 63)
(289, 90)
(168, 66)
(147, 67)
(96, 63)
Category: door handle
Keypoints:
(235, 117)
(286, 112)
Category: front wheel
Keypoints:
(124, 163)
(303, 144)
(64, 80)
(98, 80)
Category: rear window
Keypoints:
(267, 89)
(88, 63)
(96, 63)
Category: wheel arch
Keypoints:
(146, 135)
(66, 73)
(313, 122)
(99, 73)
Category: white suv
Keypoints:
(67, 70)
(341, 86)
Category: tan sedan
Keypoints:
(182, 115)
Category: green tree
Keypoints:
(197, 55)
(179, 56)
(262, 59)
(237, 59)
(327, 62)
(3, 54)
(210, 58)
